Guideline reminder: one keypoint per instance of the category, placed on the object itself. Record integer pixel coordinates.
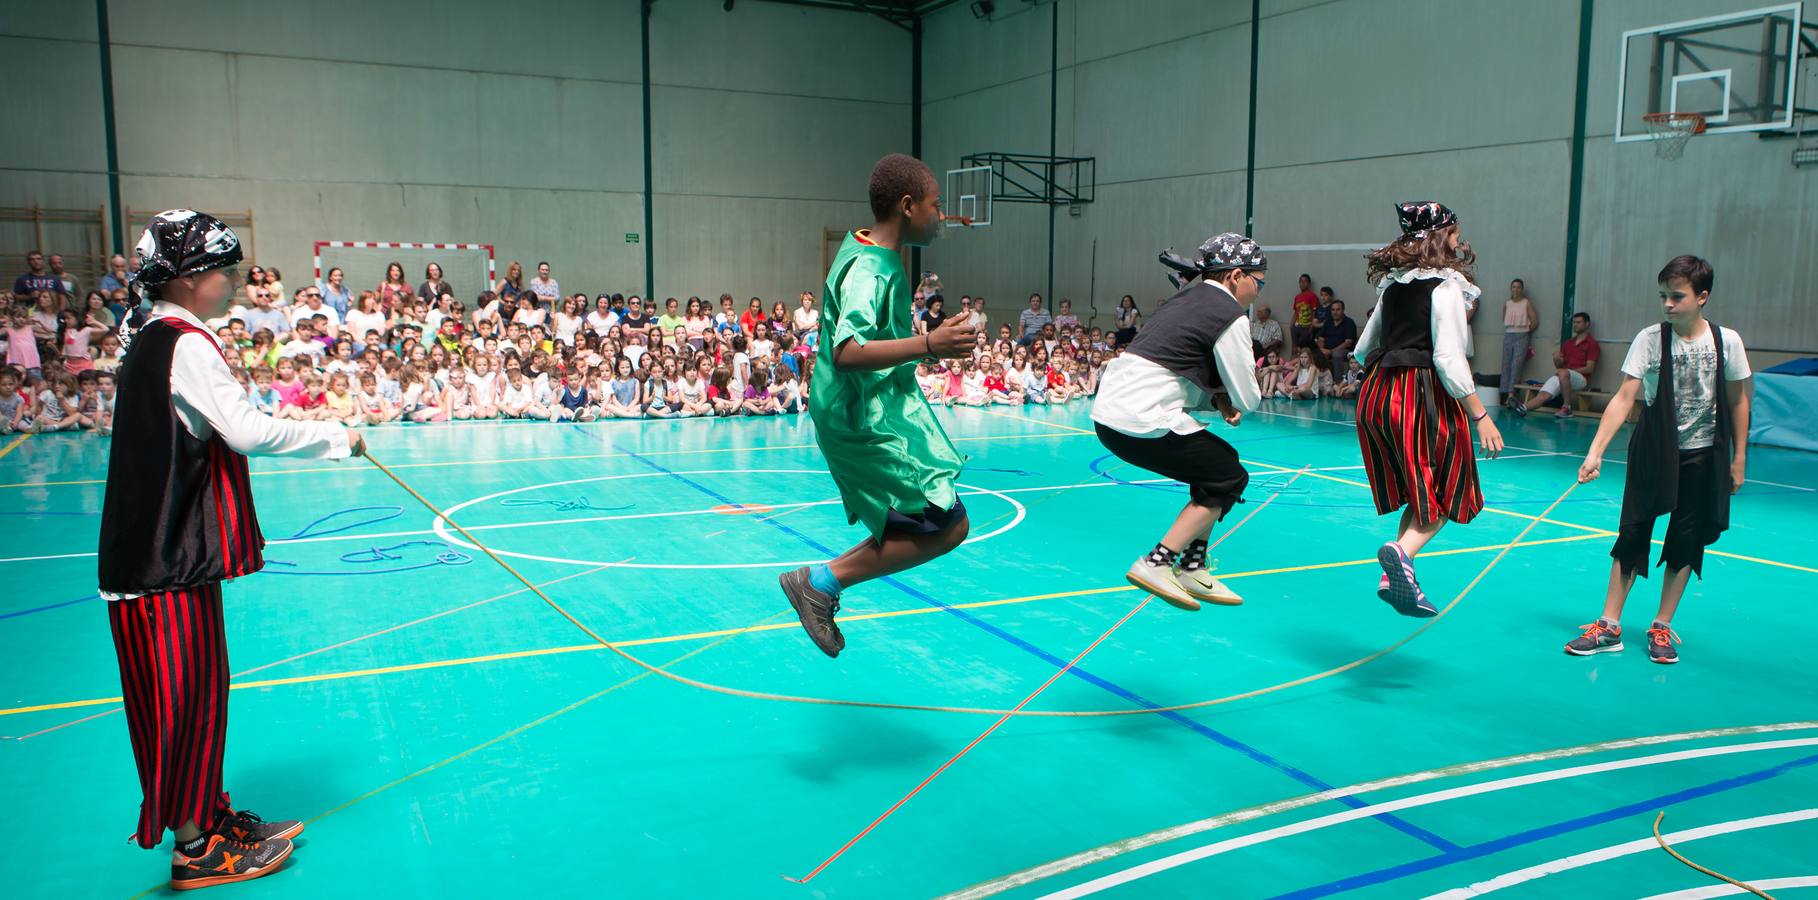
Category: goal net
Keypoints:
(468, 268)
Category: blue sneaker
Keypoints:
(1403, 590)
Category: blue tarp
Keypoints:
(1785, 412)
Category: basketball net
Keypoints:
(1671, 131)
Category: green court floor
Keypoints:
(447, 734)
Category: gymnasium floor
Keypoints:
(447, 734)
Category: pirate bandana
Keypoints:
(176, 243)
(1218, 254)
(1418, 219)
(182, 242)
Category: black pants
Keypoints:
(1685, 528)
(1202, 461)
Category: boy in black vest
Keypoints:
(1686, 457)
(177, 521)
(1193, 355)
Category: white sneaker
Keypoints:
(1200, 584)
(1160, 580)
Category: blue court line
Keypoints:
(1203, 730)
(39, 609)
(1462, 854)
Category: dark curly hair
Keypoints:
(1430, 252)
(896, 176)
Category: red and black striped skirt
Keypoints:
(1417, 450)
(173, 676)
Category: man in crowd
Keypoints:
(1337, 336)
(36, 279)
(262, 315)
(1573, 364)
(1265, 332)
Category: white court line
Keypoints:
(1614, 851)
(1196, 854)
(586, 519)
(1166, 835)
(1727, 890)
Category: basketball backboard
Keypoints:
(967, 197)
(1741, 71)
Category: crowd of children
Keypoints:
(406, 354)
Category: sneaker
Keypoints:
(1565, 412)
(1597, 638)
(1200, 585)
(1660, 645)
(1404, 591)
(1382, 588)
(242, 825)
(224, 860)
(1160, 579)
(815, 609)
(1516, 406)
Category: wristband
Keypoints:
(1479, 418)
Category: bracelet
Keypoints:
(1481, 417)
(928, 340)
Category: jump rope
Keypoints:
(1276, 485)
(967, 710)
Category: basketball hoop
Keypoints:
(1671, 131)
(957, 221)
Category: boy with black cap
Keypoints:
(1686, 457)
(1193, 354)
(177, 521)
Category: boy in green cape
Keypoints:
(893, 463)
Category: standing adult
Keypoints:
(1518, 323)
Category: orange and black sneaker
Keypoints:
(224, 860)
(242, 825)
(1661, 639)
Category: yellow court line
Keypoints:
(783, 626)
(14, 443)
(494, 462)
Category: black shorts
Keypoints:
(1202, 461)
(1686, 527)
(931, 520)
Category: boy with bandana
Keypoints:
(176, 522)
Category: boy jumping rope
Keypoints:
(1686, 456)
(893, 463)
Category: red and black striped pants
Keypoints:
(173, 675)
(1417, 446)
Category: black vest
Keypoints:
(1650, 487)
(1184, 329)
(1407, 326)
(178, 510)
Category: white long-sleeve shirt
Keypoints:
(1142, 398)
(1451, 327)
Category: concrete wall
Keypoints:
(1360, 104)
(418, 121)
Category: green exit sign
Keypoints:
(631, 237)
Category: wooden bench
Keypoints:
(1581, 400)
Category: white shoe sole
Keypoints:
(1169, 590)
(1225, 599)
(1613, 648)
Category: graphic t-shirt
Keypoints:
(1694, 378)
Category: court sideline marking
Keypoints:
(1251, 813)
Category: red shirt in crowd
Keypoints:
(1580, 352)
